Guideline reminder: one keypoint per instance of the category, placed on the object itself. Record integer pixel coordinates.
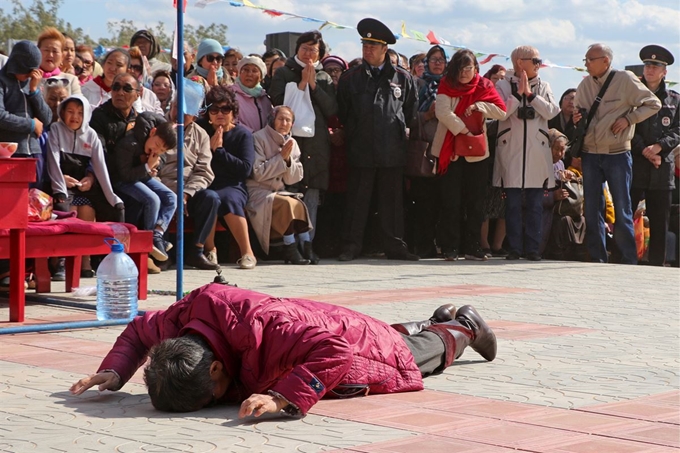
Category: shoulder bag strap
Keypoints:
(599, 97)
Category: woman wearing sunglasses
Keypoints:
(209, 69)
(147, 101)
(84, 63)
(98, 90)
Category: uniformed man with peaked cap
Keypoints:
(376, 103)
(652, 150)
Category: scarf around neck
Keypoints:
(479, 89)
(428, 93)
(303, 65)
(99, 80)
(47, 75)
(255, 91)
(204, 72)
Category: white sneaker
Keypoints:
(211, 255)
(247, 262)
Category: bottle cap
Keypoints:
(115, 244)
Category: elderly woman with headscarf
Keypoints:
(98, 90)
(274, 213)
(306, 71)
(150, 49)
(424, 192)
(51, 43)
(209, 69)
(253, 100)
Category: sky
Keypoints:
(561, 30)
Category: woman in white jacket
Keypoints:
(523, 166)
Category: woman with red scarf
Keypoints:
(464, 100)
(98, 90)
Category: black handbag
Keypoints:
(419, 162)
(576, 144)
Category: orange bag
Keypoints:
(39, 206)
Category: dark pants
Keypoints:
(202, 209)
(530, 241)
(462, 189)
(658, 205)
(424, 214)
(388, 183)
(429, 351)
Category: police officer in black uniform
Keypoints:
(376, 102)
(652, 150)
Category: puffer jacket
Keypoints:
(663, 128)
(298, 348)
(523, 157)
(126, 165)
(316, 150)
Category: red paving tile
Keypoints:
(578, 421)
(636, 409)
(653, 433)
(596, 444)
(430, 444)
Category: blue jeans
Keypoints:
(311, 200)
(617, 171)
(157, 202)
(533, 208)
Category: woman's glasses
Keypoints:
(127, 87)
(436, 61)
(52, 81)
(214, 109)
(137, 68)
(535, 61)
(211, 58)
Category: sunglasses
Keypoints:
(137, 67)
(57, 81)
(215, 109)
(535, 61)
(127, 87)
(86, 63)
(78, 70)
(212, 58)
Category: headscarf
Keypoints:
(206, 47)
(428, 93)
(155, 47)
(478, 90)
(256, 61)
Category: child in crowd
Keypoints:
(77, 168)
(135, 163)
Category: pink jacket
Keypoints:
(298, 348)
(253, 113)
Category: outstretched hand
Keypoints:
(106, 380)
(258, 404)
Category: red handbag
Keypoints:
(471, 145)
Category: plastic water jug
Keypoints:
(116, 284)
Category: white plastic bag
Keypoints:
(301, 104)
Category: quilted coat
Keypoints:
(298, 348)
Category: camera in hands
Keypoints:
(526, 113)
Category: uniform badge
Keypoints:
(396, 90)
(666, 121)
(368, 35)
(653, 56)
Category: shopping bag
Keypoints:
(301, 104)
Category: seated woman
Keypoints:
(86, 56)
(209, 71)
(51, 43)
(98, 90)
(230, 64)
(253, 101)
(161, 85)
(232, 162)
(273, 212)
(147, 100)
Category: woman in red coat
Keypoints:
(230, 345)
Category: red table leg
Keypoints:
(141, 260)
(72, 272)
(17, 274)
(42, 276)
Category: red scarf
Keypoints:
(47, 75)
(100, 81)
(479, 89)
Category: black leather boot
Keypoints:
(308, 253)
(441, 314)
(292, 254)
(484, 340)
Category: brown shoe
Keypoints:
(153, 269)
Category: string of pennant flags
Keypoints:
(430, 38)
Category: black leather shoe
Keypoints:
(308, 252)
(402, 254)
(533, 256)
(198, 260)
(484, 341)
(291, 254)
(512, 256)
(347, 255)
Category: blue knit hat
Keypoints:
(208, 46)
(24, 58)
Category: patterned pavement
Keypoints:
(588, 361)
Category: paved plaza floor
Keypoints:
(588, 361)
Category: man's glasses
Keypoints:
(436, 61)
(590, 60)
(137, 68)
(214, 109)
(535, 61)
(127, 87)
(211, 58)
(52, 81)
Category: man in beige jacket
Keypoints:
(606, 149)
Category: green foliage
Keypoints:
(27, 22)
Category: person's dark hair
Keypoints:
(417, 58)
(404, 61)
(565, 94)
(220, 94)
(68, 101)
(121, 51)
(275, 113)
(233, 53)
(313, 37)
(460, 59)
(161, 73)
(356, 62)
(178, 374)
(393, 53)
(273, 52)
(168, 133)
(493, 70)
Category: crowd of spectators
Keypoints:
(303, 157)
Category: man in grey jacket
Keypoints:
(606, 149)
(23, 111)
